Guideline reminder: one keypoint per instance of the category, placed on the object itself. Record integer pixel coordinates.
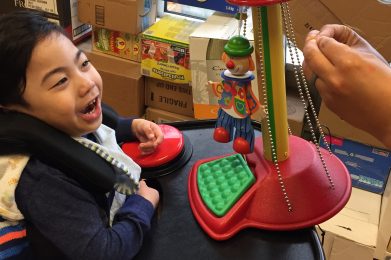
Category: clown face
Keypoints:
(238, 66)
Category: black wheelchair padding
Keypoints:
(24, 134)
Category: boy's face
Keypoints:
(62, 87)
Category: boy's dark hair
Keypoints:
(20, 31)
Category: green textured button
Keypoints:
(223, 181)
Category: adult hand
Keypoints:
(353, 79)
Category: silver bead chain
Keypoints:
(289, 32)
(289, 130)
(264, 90)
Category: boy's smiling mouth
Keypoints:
(90, 107)
(92, 111)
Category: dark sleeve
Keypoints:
(123, 130)
(121, 125)
(72, 220)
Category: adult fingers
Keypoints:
(309, 74)
(340, 33)
(314, 60)
(333, 50)
(311, 35)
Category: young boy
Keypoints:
(43, 74)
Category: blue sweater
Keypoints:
(67, 221)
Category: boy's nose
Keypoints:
(85, 85)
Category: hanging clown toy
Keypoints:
(236, 100)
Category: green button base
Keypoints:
(223, 181)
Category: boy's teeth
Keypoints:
(91, 111)
(90, 107)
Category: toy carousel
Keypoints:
(276, 181)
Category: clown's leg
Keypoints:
(224, 128)
(244, 136)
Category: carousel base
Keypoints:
(263, 206)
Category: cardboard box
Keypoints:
(341, 128)
(352, 233)
(165, 49)
(368, 166)
(176, 98)
(217, 5)
(62, 12)
(371, 19)
(383, 246)
(130, 16)
(124, 45)
(123, 85)
(160, 116)
(295, 113)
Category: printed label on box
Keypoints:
(176, 98)
(124, 45)
(165, 49)
(217, 5)
(164, 60)
(45, 6)
(79, 29)
(368, 166)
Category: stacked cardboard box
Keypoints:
(62, 12)
(160, 116)
(361, 230)
(117, 25)
(127, 16)
(369, 165)
(352, 233)
(170, 97)
(124, 45)
(166, 67)
(383, 243)
(341, 128)
(165, 49)
(115, 49)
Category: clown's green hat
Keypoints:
(238, 46)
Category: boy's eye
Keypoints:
(61, 82)
(85, 63)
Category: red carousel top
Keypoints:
(255, 2)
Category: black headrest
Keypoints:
(24, 134)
